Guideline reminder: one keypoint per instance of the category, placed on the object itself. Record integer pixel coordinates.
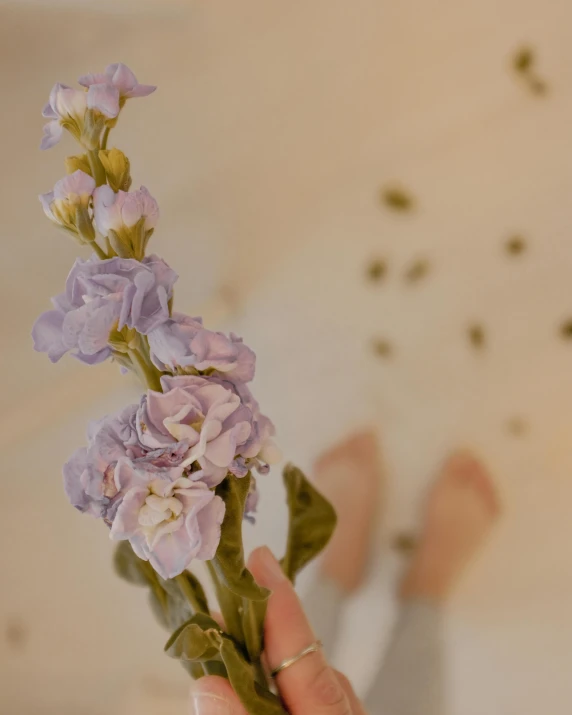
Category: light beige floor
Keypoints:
(271, 134)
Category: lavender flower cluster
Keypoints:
(150, 471)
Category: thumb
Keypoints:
(214, 696)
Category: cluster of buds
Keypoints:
(88, 114)
(94, 197)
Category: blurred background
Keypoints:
(377, 197)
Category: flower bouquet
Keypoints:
(172, 476)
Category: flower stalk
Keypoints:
(147, 373)
(97, 169)
(172, 476)
(230, 605)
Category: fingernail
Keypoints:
(272, 571)
(208, 704)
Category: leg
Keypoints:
(460, 510)
(349, 475)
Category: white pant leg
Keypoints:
(410, 681)
(323, 605)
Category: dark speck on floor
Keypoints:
(417, 270)
(376, 270)
(477, 336)
(516, 426)
(382, 348)
(515, 245)
(16, 634)
(397, 199)
(566, 329)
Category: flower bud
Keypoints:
(128, 219)
(117, 168)
(66, 109)
(68, 204)
(73, 163)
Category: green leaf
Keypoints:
(199, 640)
(254, 697)
(312, 521)
(173, 588)
(129, 566)
(196, 644)
(229, 561)
(168, 603)
(195, 670)
(170, 611)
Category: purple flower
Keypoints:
(122, 210)
(203, 414)
(256, 451)
(95, 492)
(102, 295)
(71, 193)
(182, 342)
(199, 426)
(149, 471)
(95, 477)
(66, 105)
(169, 521)
(108, 91)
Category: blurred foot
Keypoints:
(349, 475)
(460, 511)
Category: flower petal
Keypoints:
(121, 77)
(209, 521)
(52, 134)
(47, 334)
(173, 552)
(104, 98)
(140, 90)
(126, 522)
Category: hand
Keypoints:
(308, 687)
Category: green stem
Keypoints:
(259, 674)
(230, 605)
(99, 250)
(254, 613)
(105, 137)
(252, 625)
(97, 170)
(147, 372)
(188, 592)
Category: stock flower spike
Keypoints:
(172, 475)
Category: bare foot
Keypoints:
(460, 511)
(349, 475)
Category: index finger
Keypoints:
(309, 686)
